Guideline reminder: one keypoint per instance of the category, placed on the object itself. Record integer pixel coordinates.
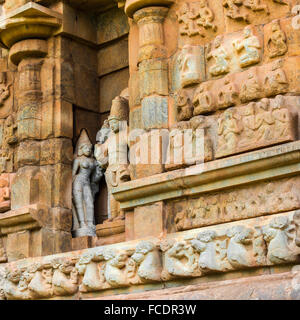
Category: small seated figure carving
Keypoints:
(248, 48)
(275, 82)
(221, 57)
(184, 106)
(255, 5)
(179, 260)
(148, 261)
(187, 25)
(282, 118)
(250, 89)
(233, 10)
(277, 42)
(227, 95)
(206, 16)
(189, 64)
(4, 88)
(206, 247)
(264, 120)
(276, 234)
(229, 130)
(203, 101)
(237, 254)
(249, 123)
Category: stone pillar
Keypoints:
(153, 92)
(153, 67)
(39, 222)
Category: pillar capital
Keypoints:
(28, 22)
(131, 6)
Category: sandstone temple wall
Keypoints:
(226, 215)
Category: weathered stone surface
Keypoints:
(210, 91)
(235, 246)
(155, 112)
(110, 86)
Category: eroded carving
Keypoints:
(235, 204)
(190, 65)
(277, 42)
(248, 48)
(194, 18)
(221, 57)
(278, 237)
(260, 130)
(203, 100)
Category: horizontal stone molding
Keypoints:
(268, 163)
(252, 243)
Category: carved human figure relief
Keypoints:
(190, 65)
(283, 119)
(264, 120)
(220, 56)
(179, 260)
(249, 123)
(203, 101)
(205, 245)
(228, 94)
(237, 253)
(186, 19)
(278, 235)
(4, 88)
(206, 16)
(277, 42)
(85, 177)
(256, 5)
(194, 18)
(183, 105)
(148, 261)
(250, 89)
(233, 10)
(275, 81)
(112, 153)
(229, 129)
(199, 153)
(248, 48)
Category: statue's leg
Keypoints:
(89, 204)
(78, 201)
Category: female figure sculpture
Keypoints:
(85, 178)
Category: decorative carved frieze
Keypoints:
(252, 243)
(235, 204)
(255, 125)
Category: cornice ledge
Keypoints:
(274, 162)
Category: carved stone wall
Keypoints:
(226, 71)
